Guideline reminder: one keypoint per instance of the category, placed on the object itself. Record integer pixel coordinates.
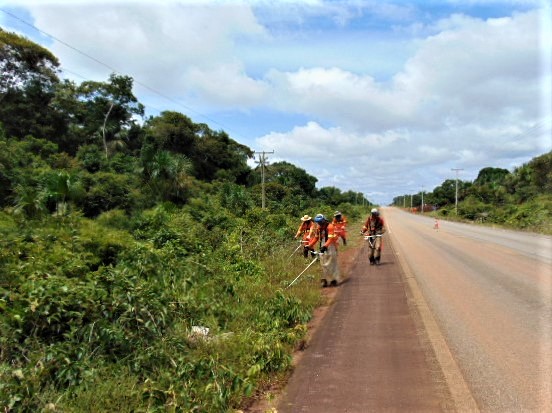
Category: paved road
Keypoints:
(490, 292)
(370, 353)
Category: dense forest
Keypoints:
(521, 199)
(138, 271)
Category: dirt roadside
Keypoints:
(366, 349)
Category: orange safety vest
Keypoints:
(340, 227)
(333, 237)
(304, 229)
(317, 232)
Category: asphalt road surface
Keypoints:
(369, 352)
(490, 292)
(457, 318)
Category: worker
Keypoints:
(328, 251)
(304, 232)
(375, 226)
(340, 224)
(318, 233)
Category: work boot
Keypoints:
(372, 261)
(377, 261)
(344, 241)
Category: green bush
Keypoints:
(471, 208)
(105, 191)
(91, 157)
(534, 215)
(115, 218)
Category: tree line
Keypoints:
(92, 132)
(521, 198)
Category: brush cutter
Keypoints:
(308, 266)
(301, 243)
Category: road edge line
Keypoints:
(459, 390)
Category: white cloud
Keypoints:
(474, 71)
(312, 141)
(338, 96)
(467, 97)
(164, 46)
(227, 85)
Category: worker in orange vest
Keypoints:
(318, 233)
(340, 223)
(304, 231)
(328, 250)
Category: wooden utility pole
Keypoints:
(263, 162)
(456, 196)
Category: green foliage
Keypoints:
(518, 199)
(446, 193)
(83, 301)
(115, 219)
(122, 163)
(30, 201)
(535, 215)
(471, 208)
(491, 193)
(91, 157)
(291, 177)
(114, 389)
(542, 172)
(491, 175)
(29, 77)
(172, 131)
(62, 188)
(235, 198)
(166, 174)
(217, 156)
(332, 196)
(106, 109)
(106, 191)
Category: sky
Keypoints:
(380, 97)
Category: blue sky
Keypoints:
(379, 97)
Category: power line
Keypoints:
(540, 127)
(115, 70)
(65, 70)
(60, 41)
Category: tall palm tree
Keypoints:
(165, 172)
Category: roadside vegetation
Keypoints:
(138, 272)
(520, 199)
